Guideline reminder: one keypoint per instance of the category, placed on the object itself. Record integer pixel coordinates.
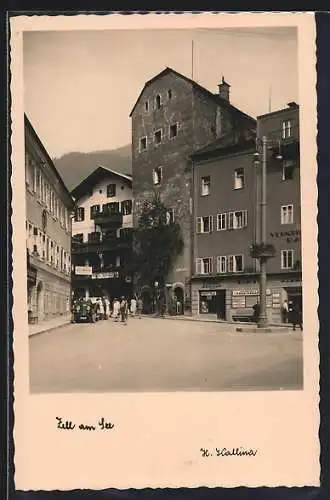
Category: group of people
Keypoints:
(120, 309)
(291, 313)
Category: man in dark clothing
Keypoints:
(296, 317)
(256, 312)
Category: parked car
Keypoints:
(84, 311)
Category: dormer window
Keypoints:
(158, 101)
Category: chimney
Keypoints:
(224, 89)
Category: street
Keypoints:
(151, 355)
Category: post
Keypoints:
(263, 321)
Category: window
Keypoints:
(158, 137)
(143, 144)
(77, 238)
(286, 129)
(158, 101)
(126, 207)
(235, 263)
(173, 130)
(221, 222)
(287, 170)
(205, 224)
(287, 214)
(111, 190)
(95, 210)
(206, 185)
(204, 266)
(157, 174)
(237, 220)
(79, 215)
(146, 106)
(287, 259)
(170, 216)
(221, 264)
(169, 93)
(239, 180)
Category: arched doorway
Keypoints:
(178, 293)
(146, 297)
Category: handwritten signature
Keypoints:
(228, 452)
(68, 425)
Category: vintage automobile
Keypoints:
(84, 310)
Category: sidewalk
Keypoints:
(50, 324)
(215, 320)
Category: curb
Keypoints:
(232, 323)
(50, 328)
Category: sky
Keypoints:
(80, 86)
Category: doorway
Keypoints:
(221, 304)
(178, 293)
(213, 302)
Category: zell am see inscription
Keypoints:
(291, 236)
(68, 425)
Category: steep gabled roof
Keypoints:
(29, 127)
(96, 176)
(215, 97)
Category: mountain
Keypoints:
(74, 167)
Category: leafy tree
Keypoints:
(156, 244)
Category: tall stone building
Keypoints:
(172, 117)
(48, 233)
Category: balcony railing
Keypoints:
(108, 218)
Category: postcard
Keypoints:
(164, 231)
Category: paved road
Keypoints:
(163, 355)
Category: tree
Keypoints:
(157, 242)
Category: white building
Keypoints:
(102, 234)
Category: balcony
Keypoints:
(103, 242)
(110, 217)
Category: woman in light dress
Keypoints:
(133, 306)
(116, 308)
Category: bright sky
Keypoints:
(79, 87)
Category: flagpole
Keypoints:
(192, 59)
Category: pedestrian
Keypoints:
(100, 308)
(115, 309)
(285, 311)
(256, 312)
(139, 307)
(107, 308)
(123, 310)
(133, 306)
(290, 311)
(296, 317)
(178, 306)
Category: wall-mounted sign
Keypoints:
(83, 271)
(248, 291)
(286, 234)
(208, 294)
(103, 276)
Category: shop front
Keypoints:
(232, 299)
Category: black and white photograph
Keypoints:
(164, 210)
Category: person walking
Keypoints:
(107, 308)
(133, 306)
(296, 317)
(100, 308)
(139, 307)
(116, 309)
(256, 312)
(285, 311)
(123, 310)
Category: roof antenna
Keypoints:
(192, 59)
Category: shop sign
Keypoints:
(103, 276)
(248, 291)
(208, 294)
(83, 270)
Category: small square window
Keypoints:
(143, 144)
(206, 185)
(173, 130)
(287, 214)
(158, 137)
(239, 180)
